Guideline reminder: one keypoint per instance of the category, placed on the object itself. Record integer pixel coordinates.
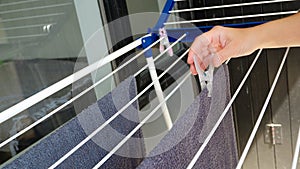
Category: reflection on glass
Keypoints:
(39, 42)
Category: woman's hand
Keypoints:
(220, 44)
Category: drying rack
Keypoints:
(147, 42)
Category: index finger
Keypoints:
(191, 55)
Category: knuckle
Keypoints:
(216, 28)
(198, 38)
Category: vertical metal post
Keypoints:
(146, 42)
(159, 92)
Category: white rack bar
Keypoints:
(232, 17)
(75, 98)
(179, 0)
(230, 5)
(262, 112)
(35, 8)
(206, 141)
(157, 86)
(227, 61)
(296, 153)
(27, 103)
(57, 163)
(116, 148)
(159, 92)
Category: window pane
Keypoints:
(40, 41)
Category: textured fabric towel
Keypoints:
(179, 146)
(49, 150)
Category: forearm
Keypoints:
(280, 33)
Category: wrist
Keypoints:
(254, 38)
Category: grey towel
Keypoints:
(49, 150)
(179, 146)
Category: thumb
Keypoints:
(222, 55)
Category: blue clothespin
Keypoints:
(205, 77)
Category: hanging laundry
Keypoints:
(46, 152)
(178, 147)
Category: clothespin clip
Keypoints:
(205, 77)
(165, 42)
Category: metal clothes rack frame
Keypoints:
(147, 42)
